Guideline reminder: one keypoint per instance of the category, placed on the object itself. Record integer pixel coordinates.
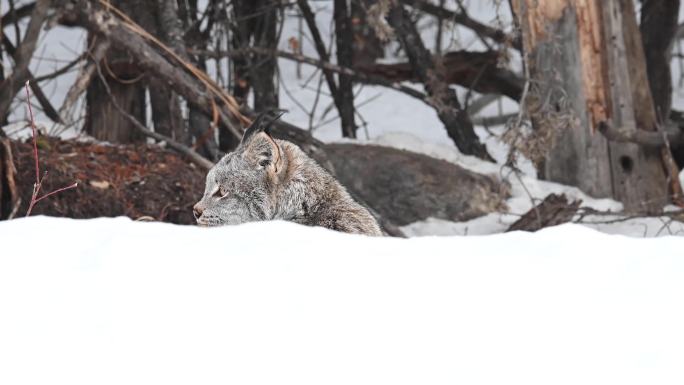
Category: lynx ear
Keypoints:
(259, 146)
(262, 123)
(265, 152)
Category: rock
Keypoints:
(406, 187)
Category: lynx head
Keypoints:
(239, 188)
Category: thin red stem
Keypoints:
(39, 181)
(34, 194)
(28, 212)
(69, 187)
(33, 131)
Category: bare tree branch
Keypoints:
(104, 24)
(494, 120)
(445, 101)
(463, 19)
(478, 71)
(125, 37)
(358, 76)
(337, 96)
(671, 133)
(17, 14)
(11, 85)
(43, 100)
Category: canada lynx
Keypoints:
(266, 178)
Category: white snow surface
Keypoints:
(112, 301)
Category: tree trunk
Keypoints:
(587, 66)
(166, 108)
(343, 35)
(255, 24)
(103, 121)
(240, 38)
(263, 67)
(166, 112)
(240, 85)
(167, 116)
(658, 29)
(3, 118)
(199, 124)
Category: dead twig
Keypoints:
(35, 198)
(323, 65)
(618, 217)
(22, 57)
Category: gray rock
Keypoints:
(406, 187)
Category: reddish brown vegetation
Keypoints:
(135, 181)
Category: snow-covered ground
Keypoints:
(111, 301)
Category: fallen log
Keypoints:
(478, 71)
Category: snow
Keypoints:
(111, 301)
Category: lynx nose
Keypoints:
(197, 211)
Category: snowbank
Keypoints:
(110, 301)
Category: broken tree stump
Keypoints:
(552, 211)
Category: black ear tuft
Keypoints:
(276, 114)
(262, 123)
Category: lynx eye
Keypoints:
(221, 192)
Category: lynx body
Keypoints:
(266, 179)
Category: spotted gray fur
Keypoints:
(266, 179)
